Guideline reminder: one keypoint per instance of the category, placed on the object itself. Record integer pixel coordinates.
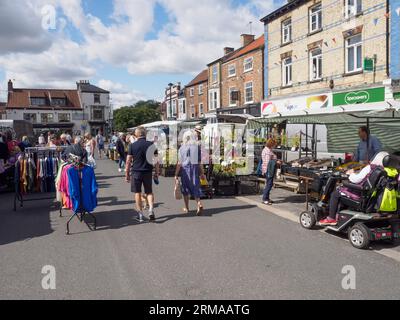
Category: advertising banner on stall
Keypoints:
(298, 105)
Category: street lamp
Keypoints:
(170, 98)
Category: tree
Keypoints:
(141, 113)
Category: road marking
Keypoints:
(389, 253)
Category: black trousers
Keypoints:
(334, 204)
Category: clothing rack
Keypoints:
(50, 151)
(80, 214)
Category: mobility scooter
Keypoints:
(362, 217)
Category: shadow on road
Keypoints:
(112, 201)
(116, 219)
(206, 213)
(291, 199)
(26, 223)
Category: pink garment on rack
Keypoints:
(64, 187)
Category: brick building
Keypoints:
(197, 97)
(331, 55)
(242, 78)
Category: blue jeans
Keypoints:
(121, 163)
(269, 183)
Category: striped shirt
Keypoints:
(267, 155)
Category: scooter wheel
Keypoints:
(308, 220)
(359, 236)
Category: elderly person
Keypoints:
(139, 171)
(269, 162)
(190, 170)
(356, 178)
(76, 150)
(64, 140)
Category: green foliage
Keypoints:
(296, 141)
(141, 113)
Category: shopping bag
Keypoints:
(204, 182)
(92, 162)
(178, 191)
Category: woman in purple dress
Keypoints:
(190, 170)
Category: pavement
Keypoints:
(236, 250)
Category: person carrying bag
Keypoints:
(178, 190)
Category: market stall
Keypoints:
(166, 134)
(231, 157)
(9, 152)
(342, 138)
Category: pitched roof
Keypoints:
(254, 45)
(288, 7)
(200, 78)
(89, 88)
(20, 98)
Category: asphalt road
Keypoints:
(235, 251)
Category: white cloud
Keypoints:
(60, 66)
(196, 33)
(120, 95)
(21, 29)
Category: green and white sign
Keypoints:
(359, 97)
(369, 64)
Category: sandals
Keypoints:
(200, 211)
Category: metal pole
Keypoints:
(307, 140)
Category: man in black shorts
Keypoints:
(139, 171)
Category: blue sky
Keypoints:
(130, 47)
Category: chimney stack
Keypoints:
(10, 86)
(246, 39)
(228, 50)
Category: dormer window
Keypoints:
(62, 102)
(38, 101)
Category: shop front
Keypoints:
(96, 126)
(364, 99)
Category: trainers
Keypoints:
(268, 203)
(152, 216)
(140, 217)
(328, 222)
(120, 170)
